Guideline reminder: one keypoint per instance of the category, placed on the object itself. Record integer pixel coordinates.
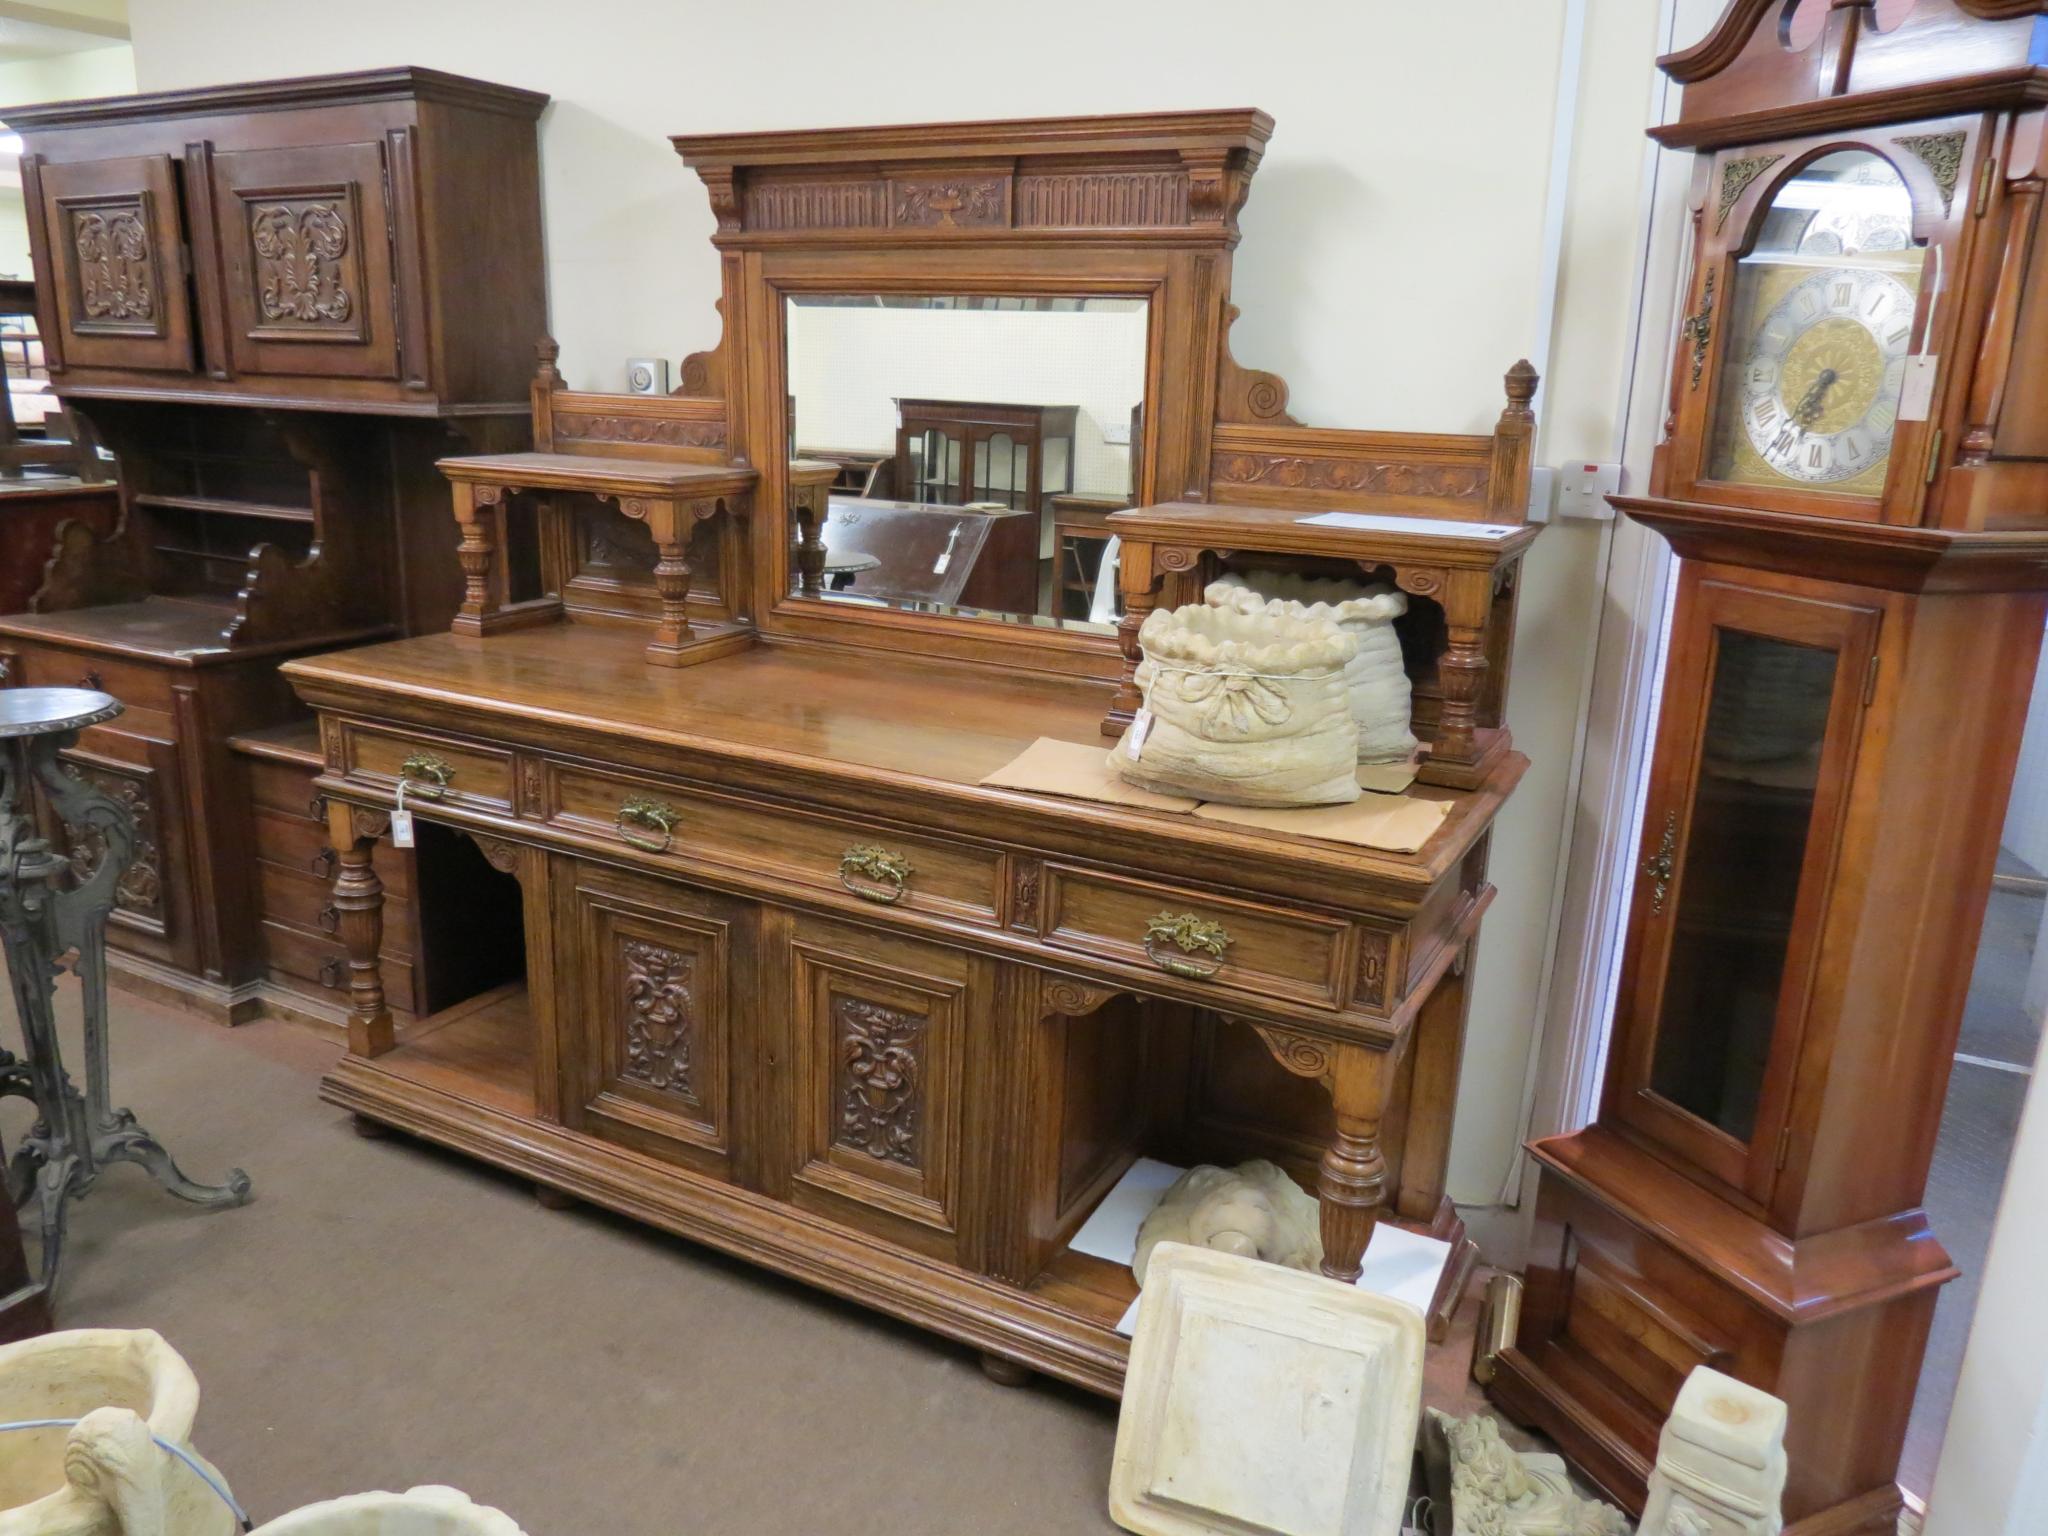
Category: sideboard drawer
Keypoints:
(1265, 951)
(294, 843)
(440, 771)
(884, 867)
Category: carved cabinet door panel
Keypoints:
(151, 913)
(113, 244)
(648, 998)
(877, 1032)
(305, 249)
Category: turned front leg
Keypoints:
(671, 524)
(811, 511)
(480, 515)
(359, 901)
(1468, 603)
(1353, 1179)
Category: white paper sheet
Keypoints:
(1381, 522)
(1398, 1263)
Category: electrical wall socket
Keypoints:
(1583, 489)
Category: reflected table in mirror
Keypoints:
(902, 552)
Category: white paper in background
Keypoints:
(1398, 1263)
(1381, 522)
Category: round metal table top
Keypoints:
(50, 711)
(846, 565)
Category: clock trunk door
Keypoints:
(305, 242)
(1760, 723)
(1810, 362)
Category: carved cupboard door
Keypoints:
(151, 913)
(648, 990)
(111, 233)
(305, 238)
(878, 1028)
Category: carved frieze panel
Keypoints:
(658, 1017)
(118, 288)
(817, 205)
(140, 890)
(666, 431)
(950, 202)
(1436, 482)
(1103, 199)
(879, 1090)
(306, 266)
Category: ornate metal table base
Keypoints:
(54, 908)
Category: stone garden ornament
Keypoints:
(1720, 1461)
(1255, 1210)
(1376, 682)
(426, 1511)
(1243, 708)
(1494, 1490)
(103, 1443)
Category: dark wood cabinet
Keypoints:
(277, 306)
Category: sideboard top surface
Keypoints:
(885, 727)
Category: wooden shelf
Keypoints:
(274, 511)
(480, 1050)
(1099, 1290)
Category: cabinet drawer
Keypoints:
(1265, 951)
(310, 957)
(444, 772)
(296, 844)
(136, 686)
(285, 788)
(816, 850)
(307, 902)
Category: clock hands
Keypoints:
(1808, 410)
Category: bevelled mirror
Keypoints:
(980, 443)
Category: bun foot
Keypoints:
(552, 1199)
(368, 1129)
(1005, 1373)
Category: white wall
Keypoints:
(1393, 262)
(108, 71)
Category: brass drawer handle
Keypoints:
(317, 807)
(1659, 865)
(330, 919)
(648, 813)
(1191, 935)
(432, 773)
(890, 873)
(323, 863)
(330, 972)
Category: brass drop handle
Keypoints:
(323, 863)
(92, 680)
(1190, 936)
(647, 813)
(1659, 865)
(330, 972)
(430, 771)
(330, 919)
(886, 875)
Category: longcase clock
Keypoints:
(1854, 474)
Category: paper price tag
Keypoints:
(1916, 389)
(401, 829)
(1134, 738)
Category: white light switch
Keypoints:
(1583, 489)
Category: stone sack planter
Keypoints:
(1382, 699)
(1243, 708)
(427, 1511)
(106, 1475)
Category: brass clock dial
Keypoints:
(1820, 381)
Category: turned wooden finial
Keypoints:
(1522, 380)
(547, 375)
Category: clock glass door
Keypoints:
(1821, 322)
(1760, 721)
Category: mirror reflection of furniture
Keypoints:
(800, 984)
(905, 552)
(860, 474)
(39, 438)
(1081, 534)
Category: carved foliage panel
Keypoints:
(879, 1054)
(110, 231)
(111, 250)
(658, 999)
(306, 262)
(139, 893)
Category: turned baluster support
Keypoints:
(1142, 572)
(670, 524)
(480, 515)
(2001, 322)
(359, 901)
(1466, 597)
(1352, 1182)
(811, 504)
